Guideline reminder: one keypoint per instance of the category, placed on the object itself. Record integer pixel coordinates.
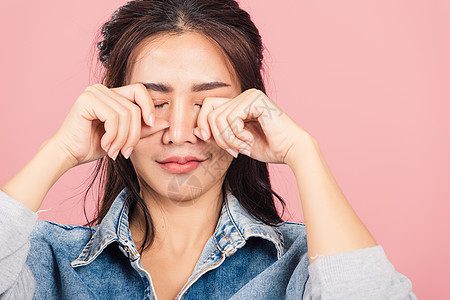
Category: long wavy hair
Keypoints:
(221, 21)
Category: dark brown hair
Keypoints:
(231, 28)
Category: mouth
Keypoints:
(180, 164)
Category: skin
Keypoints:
(183, 221)
(274, 137)
(231, 118)
(180, 62)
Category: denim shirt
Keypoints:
(243, 259)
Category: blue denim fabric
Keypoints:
(244, 259)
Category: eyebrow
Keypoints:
(160, 87)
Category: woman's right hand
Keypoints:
(105, 121)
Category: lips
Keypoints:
(181, 159)
(180, 164)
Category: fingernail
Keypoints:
(107, 148)
(128, 152)
(245, 151)
(114, 156)
(204, 134)
(151, 119)
(196, 134)
(232, 152)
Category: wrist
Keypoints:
(32, 183)
(303, 143)
(63, 160)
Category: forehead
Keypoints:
(186, 55)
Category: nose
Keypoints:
(182, 116)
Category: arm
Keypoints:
(16, 224)
(20, 198)
(332, 226)
(76, 142)
(353, 266)
(30, 185)
(80, 139)
(360, 274)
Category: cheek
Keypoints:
(220, 160)
(147, 145)
(144, 154)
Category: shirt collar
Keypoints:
(114, 227)
(235, 226)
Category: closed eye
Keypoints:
(161, 105)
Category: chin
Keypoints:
(182, 189)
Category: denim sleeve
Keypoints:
(360, 274)
(16, 225)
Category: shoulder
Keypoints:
(50, 238)
(292, 230)
(294, 235)
(44, 228)
(50, 225)
(52, 232)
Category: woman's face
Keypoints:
(175, 64)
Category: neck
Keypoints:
(179, 226)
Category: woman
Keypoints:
(182, 215)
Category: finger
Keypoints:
(250, 106)
(95, 109)
(216, 132)
(256, 106)
(231, 126)
(134, 133)
(160, 124)
(229, 133)
(138, 129)
(138, 94)
(203, 129)
(125, 116)
(225, 138)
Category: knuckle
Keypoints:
(139, 85)
(90, 88)
(210, 117)
(223, 145)
(135, 110)
(132, 142)
(219, 121)
(207, 100)
(121, 138)
(256, 91)
(261, 93)
(86, 95)
(230, 119)
(98, 86)
(113, 116)
(124, 114)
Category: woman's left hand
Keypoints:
(250, 121)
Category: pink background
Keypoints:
(368, 79)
